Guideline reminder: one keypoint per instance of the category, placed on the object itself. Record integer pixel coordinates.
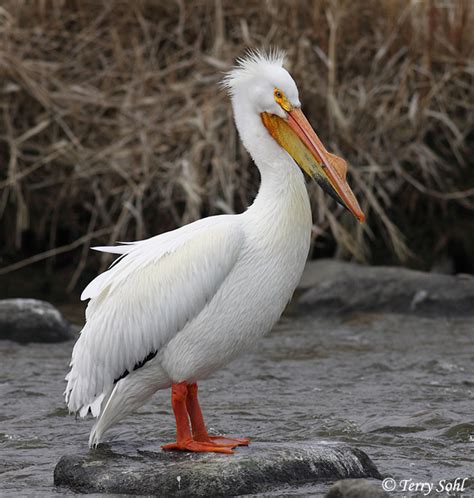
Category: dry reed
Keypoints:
(112, 125)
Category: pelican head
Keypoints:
(263, 91)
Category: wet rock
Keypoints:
(31, 320)
(356, 488)
(259, 467)
(333, 287)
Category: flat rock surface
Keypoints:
(32, 320)
(259, 467)
(334, 286)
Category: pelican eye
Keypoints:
(281, 100)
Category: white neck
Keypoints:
(278, 223)
(282, 181)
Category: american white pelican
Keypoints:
(175, 308)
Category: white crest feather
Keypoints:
(250, 64)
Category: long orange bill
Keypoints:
(299, 139)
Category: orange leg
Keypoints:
(184, 439)
(199, 428)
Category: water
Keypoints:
(398, 387)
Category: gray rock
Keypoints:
(31, 320)
(337, 287)
(259, 467)
(356, 488)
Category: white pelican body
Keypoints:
(177, 307)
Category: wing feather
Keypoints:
(139, 304)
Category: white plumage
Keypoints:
(178, 306)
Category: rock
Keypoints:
(356, 488)
(259, 467)
(31, 320)
(336, 287)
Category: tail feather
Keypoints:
(127, 396)
(102, 424)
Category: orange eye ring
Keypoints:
(281, 100)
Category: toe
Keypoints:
(199, 447)
(222, 440)
(170, 446)
(210, 447)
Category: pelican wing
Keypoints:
(148, 295)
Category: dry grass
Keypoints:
(112, 126)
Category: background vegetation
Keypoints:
(112, 125)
